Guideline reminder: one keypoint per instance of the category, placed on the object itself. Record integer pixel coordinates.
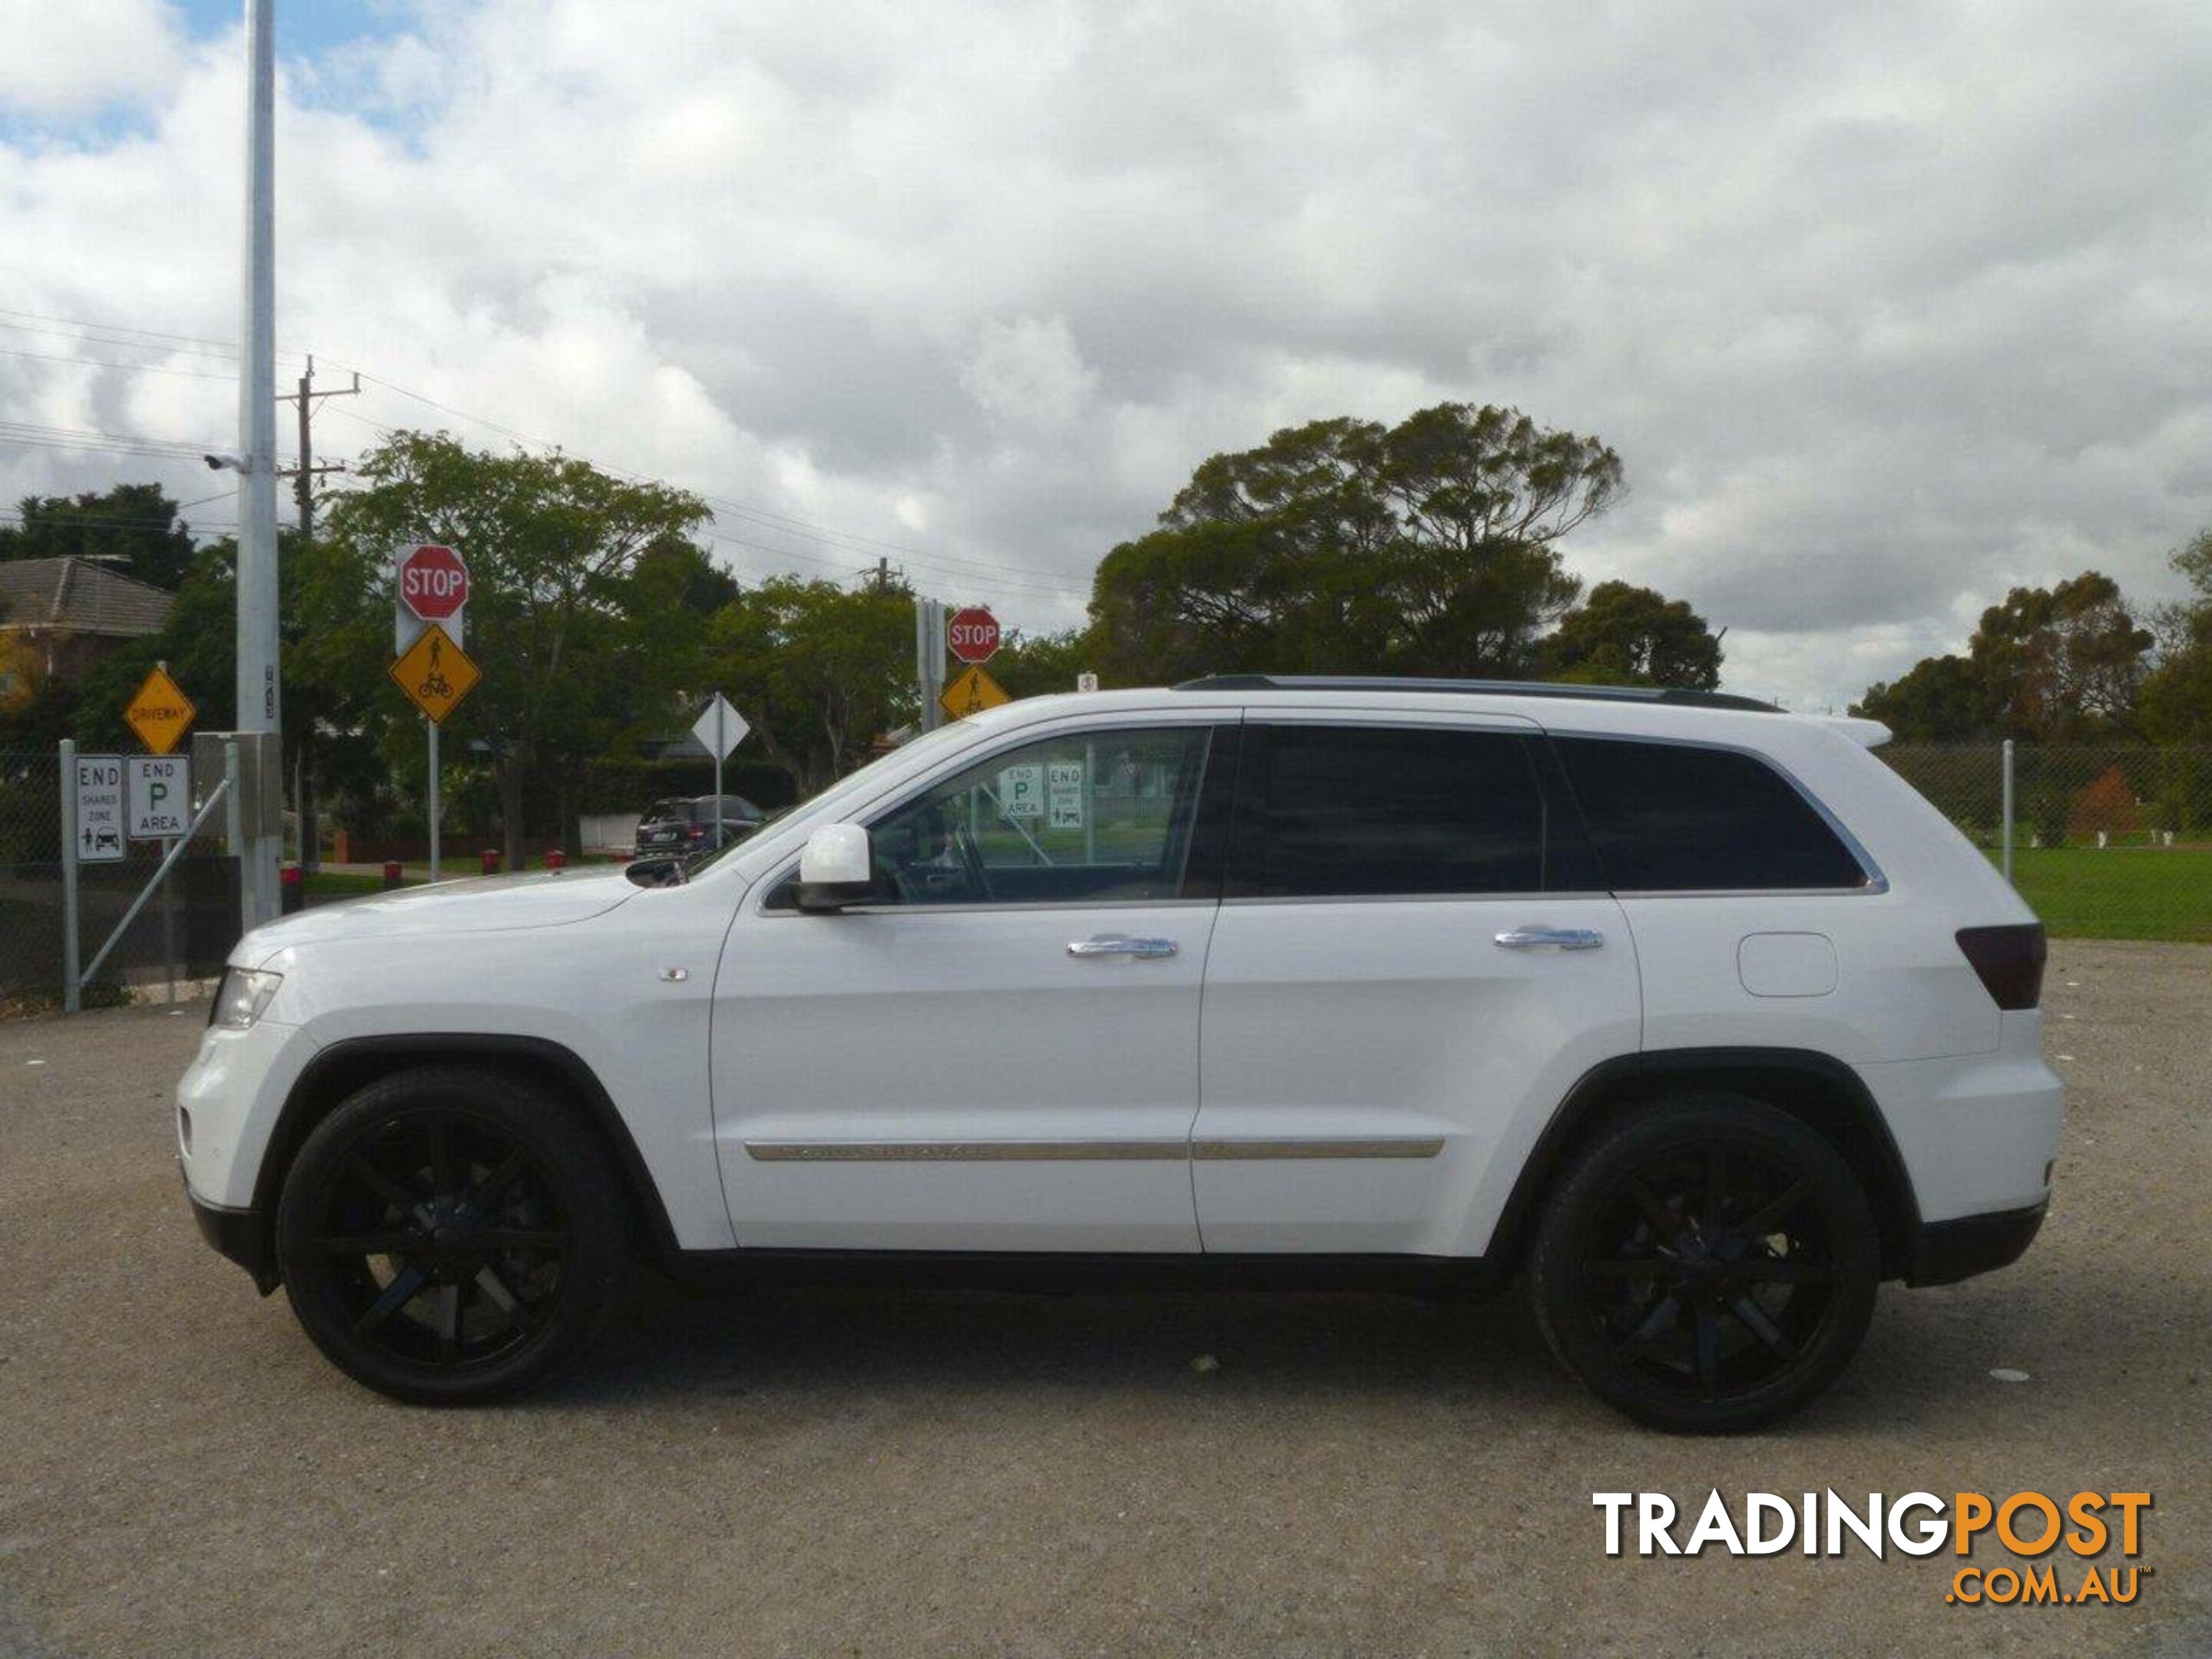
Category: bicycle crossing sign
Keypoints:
(436, 673)
(971, 694)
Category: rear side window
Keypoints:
(1346, 811)
(1668, 817)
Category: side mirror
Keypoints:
(834, 870)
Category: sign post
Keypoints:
(431, 591)
(720, 729)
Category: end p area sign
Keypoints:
(157, 796)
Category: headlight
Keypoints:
(242, 998)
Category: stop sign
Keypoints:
(434, 583)
(972, 634)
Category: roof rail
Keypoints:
(1672, 696)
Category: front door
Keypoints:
(1415, 960)
(998, 1051)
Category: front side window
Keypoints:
(1082, 817)
(1349, 812)
(1671, 817)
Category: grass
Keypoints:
(2121, 892)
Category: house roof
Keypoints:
(80, 596)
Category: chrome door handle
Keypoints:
(1115, 944)
(1551, 938)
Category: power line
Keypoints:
(230, 346)
(102, 363)
(229, 353)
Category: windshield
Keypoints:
(852, 784)
(661, 811)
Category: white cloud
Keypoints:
(1886, 307)
(58, 60)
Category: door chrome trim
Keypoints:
(1066, 1151)
(962, 1152)
(1230, 1151)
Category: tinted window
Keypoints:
(1672, 817)
(1350, 811)
(1086, 816)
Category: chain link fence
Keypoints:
(2109, 841)
(183, 933)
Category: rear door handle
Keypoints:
(1551, 938)
(1116, 944)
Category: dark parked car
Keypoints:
(695, 825)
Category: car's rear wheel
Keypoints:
(1708, 1264)
(450, 1234)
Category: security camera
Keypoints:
(217, 463)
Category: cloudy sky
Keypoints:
(1887, 307)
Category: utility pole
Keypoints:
(303, 476)
(303, 479)
(258, 684)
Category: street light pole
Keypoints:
(258, 662)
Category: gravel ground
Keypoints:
(814, 1472)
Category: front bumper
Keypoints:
(238, 1235)
(1948, 1251)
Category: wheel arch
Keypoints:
(341, 1070)
(1817, 1088)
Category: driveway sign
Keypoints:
(161, 713)
(972, 634)
(1021, 791)
(99, 809)
(435, 672)
(157, 793)
(971, 694)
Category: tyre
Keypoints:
(1708, 1264)
(450, 1235)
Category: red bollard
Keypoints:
(488, 860)
(391, 874)
(291, 888)
(555, 859)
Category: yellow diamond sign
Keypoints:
(971, 694)
(436, 673)
(161, 713)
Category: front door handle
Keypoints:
(1115, 944)
(1551, 938)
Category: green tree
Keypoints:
(1344, 545)
(553, 544)
(2175, 697)
(1937, 699)
(2055, 664)
(1626, 635)
(1037, 664)
(134, 528)
(818, 673)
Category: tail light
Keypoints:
(695, 831)
(2009, 961)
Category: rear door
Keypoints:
(1415, 959)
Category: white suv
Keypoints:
(1686, 1010)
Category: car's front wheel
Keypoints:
(1709, 1263)
(450, 1234)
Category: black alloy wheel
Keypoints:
(449, 1234)
(1708, 1264)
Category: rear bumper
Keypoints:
(238, 1235)
(1948, 1251)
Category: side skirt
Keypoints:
(1436, 1278)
